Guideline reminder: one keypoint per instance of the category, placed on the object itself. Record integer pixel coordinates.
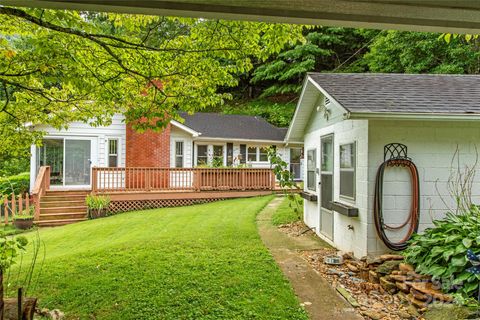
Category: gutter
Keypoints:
(414, 116)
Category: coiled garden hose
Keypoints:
(414, 216)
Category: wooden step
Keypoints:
(63, 216)
(48, 198)
(58, 222)
(66, 192)
(63, 209)
(66, 203)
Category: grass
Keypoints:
(198, 262)
(285, 214)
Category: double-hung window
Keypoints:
(179, 154)
(218, 156)
(202, 155)
(311, 165)
(252, 154)
(347, 170)
(113, 153)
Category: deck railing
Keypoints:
(42, 184)
(106, 180)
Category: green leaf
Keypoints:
(467, 242)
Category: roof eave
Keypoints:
(183, 127)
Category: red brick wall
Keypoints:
(148, 149)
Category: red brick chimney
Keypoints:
(148, 149)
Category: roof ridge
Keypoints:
(396, 74)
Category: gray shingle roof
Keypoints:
(229, 126)
(403, 93)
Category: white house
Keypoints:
(202, 139)
(346, 120)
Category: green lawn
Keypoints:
(285, 213)
(198, 262)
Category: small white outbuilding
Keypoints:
(345, 122)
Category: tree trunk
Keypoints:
(11, 308)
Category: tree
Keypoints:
(63, 66)
(325, 49)
(420, 52)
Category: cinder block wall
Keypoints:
(431, 145)
(148, 149)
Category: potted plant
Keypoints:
(97, 206)
(24, 220)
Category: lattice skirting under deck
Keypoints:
(133, 205)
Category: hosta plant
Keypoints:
(441, 252)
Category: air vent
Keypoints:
(327, 101)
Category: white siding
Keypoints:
(431, 145)
(180, 135)
(345, 131)
(99, 136)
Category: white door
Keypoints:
(326, 186)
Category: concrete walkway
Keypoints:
(323, 302)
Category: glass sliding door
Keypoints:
(51, 154)
(77, 162)
(69, 161)
(326, 192)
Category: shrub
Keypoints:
(441, 252)
(18, 184)
(97, 204)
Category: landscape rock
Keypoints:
(428, 289)
(387, 267)
(351, 267)
(405, 267)
(402, 286)
(389, 257)
(372, 314)
(398, 277)
(390, 287)
(373, 277)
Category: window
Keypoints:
(113, 153)
(179, 154)
(202, 155)
(252, 154)
(263, 154)
(217, 156)
(243, 153)
(347, 170)
(229, 154)
(311, 164)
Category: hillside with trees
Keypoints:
(272, 88)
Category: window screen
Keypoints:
(263, 154)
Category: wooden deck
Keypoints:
(146, 188)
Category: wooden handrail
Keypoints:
(42, 184)
(106, 180)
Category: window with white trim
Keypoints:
(113, 153)
(218, 156)
(179, 154)
(348, 159)
(257, 154)
(202, 155)
(311, 165)
(252, 154)
(263, 154)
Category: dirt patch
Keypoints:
(296, 229)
